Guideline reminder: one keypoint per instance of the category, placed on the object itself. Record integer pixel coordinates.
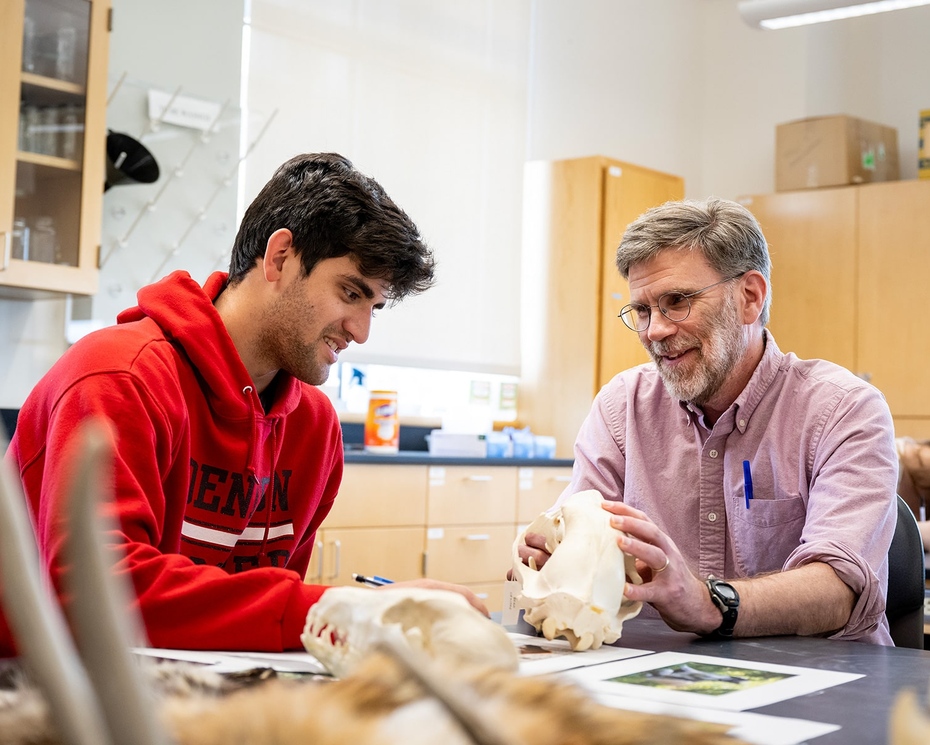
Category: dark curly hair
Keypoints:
(333, 210)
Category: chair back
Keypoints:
(904, 605)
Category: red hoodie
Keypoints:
(218, 502)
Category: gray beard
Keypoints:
(719, 354)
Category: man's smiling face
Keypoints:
(315, 317)
(695, 356)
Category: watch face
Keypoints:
(726, 592)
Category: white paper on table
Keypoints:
(540, 656)
(758, 729)
(234, 662)
(707, 682)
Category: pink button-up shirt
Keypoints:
(820, 443)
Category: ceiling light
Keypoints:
(775, 14)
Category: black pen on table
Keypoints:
(374, 581)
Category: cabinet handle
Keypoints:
(478, 537)
(562, 479)
(319, 562)
(337, 555)
(480, 478)
(7, 251)
(425, 564)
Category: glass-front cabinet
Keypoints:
(53, 76)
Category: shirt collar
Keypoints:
(741, 410)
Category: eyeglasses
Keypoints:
(675, 306)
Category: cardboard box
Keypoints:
(923, 153)
(834, 151)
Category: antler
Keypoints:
(104, 702)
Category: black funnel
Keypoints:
(128, 161)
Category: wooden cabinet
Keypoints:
(539, 488)
(53, 75)
(377, 526)
(451, 523)
(849, 276)
(572, 342)
(470, 520)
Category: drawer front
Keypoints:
(395, 553)
(468, 495)
(490, 593)
(377, 495)
(476, 553)
(539, 490)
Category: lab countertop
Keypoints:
(422, 457)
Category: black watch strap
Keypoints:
(726, 598)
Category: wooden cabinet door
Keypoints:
(491, 594)
(51, 190)
(571, 339)
(472, 495)
(562, 223)
(395, 553)
(812, 241)
(539, 488)
(894, 277)
(476, 553)
(373, 495)
(628, 191)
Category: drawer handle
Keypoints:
(337, 555)
(319, 555)
(480, 478)
(478, 537)
(563, 479)
(7, 250)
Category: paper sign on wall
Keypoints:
(183, 111)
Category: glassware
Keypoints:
(48, 130)
(29, 129)
(44, 241)
(71, 130)
(20, 239)
(29, 44)
(65, 53)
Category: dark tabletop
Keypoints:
(861, 707)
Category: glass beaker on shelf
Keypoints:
(29, 43)
(29, 129)
(48, 130)
(20, 237)
(43, 243)
(71, 132)
(65, 53)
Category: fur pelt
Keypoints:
(377, 705)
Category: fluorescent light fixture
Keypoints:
(775, 14)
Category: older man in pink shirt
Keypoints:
(756, 489)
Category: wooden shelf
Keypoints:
(48, 161)
(53, 84)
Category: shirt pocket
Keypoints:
(766, 533)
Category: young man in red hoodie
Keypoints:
(227, 456)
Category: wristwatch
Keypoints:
(726, 598)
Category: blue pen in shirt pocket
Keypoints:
(747, 482)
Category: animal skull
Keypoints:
(344, 626)
(579, 591)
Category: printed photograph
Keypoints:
(703, 678)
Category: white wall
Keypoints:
(679, 85)
(428, 97)
(685, 86)
(186, 219)
(165, 44)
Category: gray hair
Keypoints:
(725, 232)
